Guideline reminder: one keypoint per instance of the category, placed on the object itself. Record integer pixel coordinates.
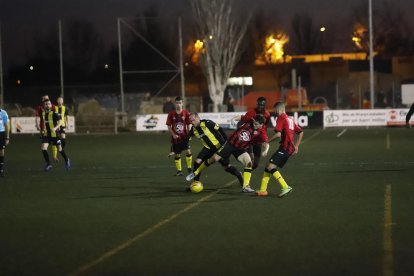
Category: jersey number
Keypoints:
(291, 124)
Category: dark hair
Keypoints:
(261, 101)
(260, 118)
(178, 99)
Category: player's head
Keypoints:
(194, 119)
(178, 103)
(279, 108)
(45, 97)
(258, 121)
(261, 104)
(47, 104)
(59, 100)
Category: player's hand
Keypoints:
(296, 150)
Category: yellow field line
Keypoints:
(388, 259)
(145, 233)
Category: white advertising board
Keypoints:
(364, 117)
(156, 122)
(28, 125)
(407, 94)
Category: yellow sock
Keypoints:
(265, 181)
(247, 174)
(178, 164)
(200, 168)
(280, 179)
(54, 152)
(189, 160)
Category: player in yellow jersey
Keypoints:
(51, 122)
(63, 111)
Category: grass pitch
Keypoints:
(119, 210)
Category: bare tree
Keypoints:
(222, 32)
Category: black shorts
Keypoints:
(50, 140)
(229, 150)
(2, 140)
(182, 146)
(279, 158)
(206, 153)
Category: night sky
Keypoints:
(21, 20)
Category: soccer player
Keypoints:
(63, 111)
(237, 144)
(256, 149)
(285, 130)
(408, 117)
(4, 137)
(51, 122)
(178, 125)
(213, 137)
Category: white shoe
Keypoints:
(248, 189)
(285, 191)
(190, 177)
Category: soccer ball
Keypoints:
(196, 186)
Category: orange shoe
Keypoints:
(259, 193)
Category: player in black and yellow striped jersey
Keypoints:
(51, 122)
(63, 111)
(213, 137)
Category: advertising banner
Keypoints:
(156, 122)
(364, 117)
(28, 125)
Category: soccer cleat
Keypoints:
(178, 173)
(48, 168)
(190, 177)
(248, 189)
(170, 154)
(260, 193)
(68, 164)
(285, 191)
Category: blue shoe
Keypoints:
(68, 164)
(48, 168)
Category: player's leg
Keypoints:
(202, 166)
(231, 170)
(63, 153)
(177, 159)
(257, 153)
(189, 159)
(43, 148)
(2, 162)
(2, 149)
(245, 159)
(279, 159)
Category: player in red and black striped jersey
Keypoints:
(237, 145)
(285, 129)
(179, 125)
(50, 124)
(256, 149)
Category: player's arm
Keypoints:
(174, 136)
(58, 119)
(265, 148)
(7, 132)
(298, 141)
(275, 136)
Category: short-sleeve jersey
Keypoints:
(246, 135)
(49, 120)
(178, 123)
(4, 119)
(63, 111)
(211, 134)
(39, 111)
(252, 113)
(287, 127)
